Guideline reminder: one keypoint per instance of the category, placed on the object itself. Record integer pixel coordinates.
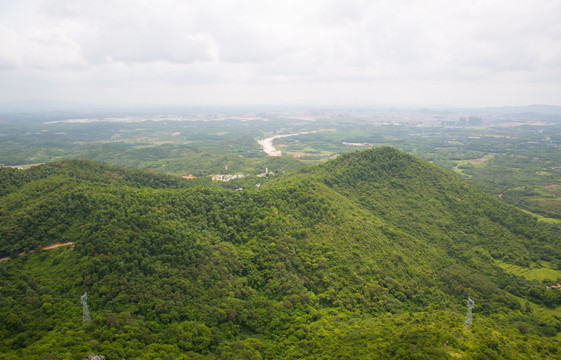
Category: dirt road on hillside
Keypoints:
(47, 247)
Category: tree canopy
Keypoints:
(370, 255)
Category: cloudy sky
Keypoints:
(262, 52)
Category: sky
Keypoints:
(262, 52)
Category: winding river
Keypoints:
(267, 144)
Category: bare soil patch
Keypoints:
(47, 247)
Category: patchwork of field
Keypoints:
(539, 273)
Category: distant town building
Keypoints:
(266, 173)
(474, 121)
(358, 144)
(463, 121)
(226, 177)
(449, 123)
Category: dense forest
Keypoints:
(371, 255)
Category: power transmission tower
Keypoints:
(86, 318)
(469, 316)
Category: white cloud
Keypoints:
(41, 48)
(10, 48)
(259, 46)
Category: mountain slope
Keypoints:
(431, 203)
(371, 255)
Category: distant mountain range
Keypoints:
(42, 105)
(536, 108)
(38, 105)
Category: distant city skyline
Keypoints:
(290, 53)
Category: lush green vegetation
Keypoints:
(370, 255)
(520, 164)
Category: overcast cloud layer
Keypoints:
(333, 52)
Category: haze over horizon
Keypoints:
(318, 53)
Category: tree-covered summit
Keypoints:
(86, 170)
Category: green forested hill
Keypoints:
(371, 255)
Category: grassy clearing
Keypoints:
(542, 218)
(479, 162)
(542, 273)
(471, 163)
(461, 172)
